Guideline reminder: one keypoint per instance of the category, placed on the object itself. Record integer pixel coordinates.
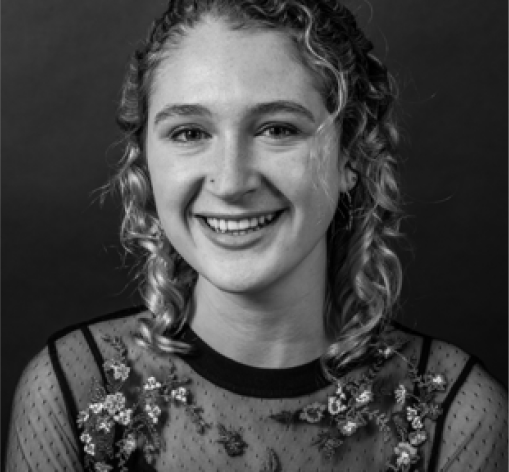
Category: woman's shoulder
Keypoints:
(463, 370)
(55, 385)
(74, 355)
(471, 431)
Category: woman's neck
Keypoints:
(276, 328)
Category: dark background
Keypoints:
(62, 66)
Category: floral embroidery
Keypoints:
(136, 413)
(350, 409)
(405, 456)
(344, 413)
(400, 394)
(232, 440)
(137, 419)
(313, 413)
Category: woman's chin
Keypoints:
(241, 282)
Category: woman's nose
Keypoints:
(233, 175)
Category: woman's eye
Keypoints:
(279, 131)
(186, 135)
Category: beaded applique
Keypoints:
(120, 420)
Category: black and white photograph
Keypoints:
(254, 235)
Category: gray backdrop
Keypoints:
(63, 63)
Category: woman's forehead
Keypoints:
(214, 65)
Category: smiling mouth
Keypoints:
(241, 226)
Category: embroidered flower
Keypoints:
(86, 438)
(336, 405)
(82, 417)
(104, 423)
(438, 381)
(348, 427)
(405, 454)
(336, 402)
(400, 393)
(411, 413)
(151, 384)
(417, 423)
(153, 411)
(417, 437)
(149, 451)
(339, 392)
(102, 467)
(312, 413)
(114, 403)
(180, 394)
(96, 408)
(124, 417)
(90, 448)
(386, 352)
(128, 444)
(120, 370)
(364, 397)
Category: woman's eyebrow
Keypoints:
(282, 106)
(277, 106)
(181, 110)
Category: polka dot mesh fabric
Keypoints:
(471, 436)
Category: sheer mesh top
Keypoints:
(221, 415)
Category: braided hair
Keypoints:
(363, 273)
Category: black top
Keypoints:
(238, 417)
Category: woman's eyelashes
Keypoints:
(279, 131)
(188, 134)
(194, 134)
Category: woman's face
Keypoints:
(232, 118)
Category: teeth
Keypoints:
(239, 227)
(232, 225)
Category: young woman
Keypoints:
(259, 184)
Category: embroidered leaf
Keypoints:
(195, 413)
(328, 442)
(231, 440)
(272, 462)
(432, 410)
(287, 417)
(118, 344)
(401, 427)
(97, 392)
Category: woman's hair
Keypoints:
(363, 274)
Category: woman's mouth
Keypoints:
(239, 226)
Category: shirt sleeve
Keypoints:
(41, 436)
(474, 436)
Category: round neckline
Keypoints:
(243, 379)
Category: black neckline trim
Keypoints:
(251, 381)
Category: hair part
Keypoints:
(363, 273)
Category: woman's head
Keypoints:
(232, 121)
(246, 63)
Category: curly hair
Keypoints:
(363, 273)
